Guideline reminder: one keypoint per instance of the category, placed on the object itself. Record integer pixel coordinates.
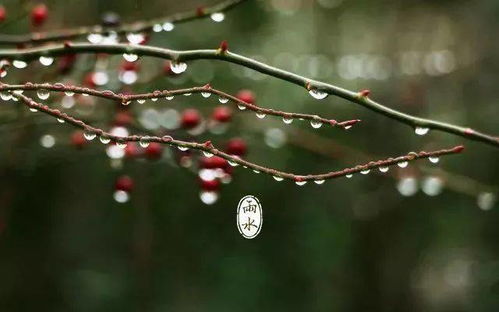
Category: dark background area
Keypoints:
(370, 243)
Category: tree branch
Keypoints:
(127, 98)
(209, 149)
(135, 27)
(182, 56)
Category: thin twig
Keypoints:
(309, 84)
(127, 98)
(208, 148)
(135, 27)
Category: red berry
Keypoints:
(124, 183)
(123, 118)
(190, 118)
(246, 96)
(222, 114)
(154, 150)
(365, 92)
(89, 80)
(210, 185)
(131, 150)
(39, 14)
(236, 146)
(77, 139)
(213, 162)
(125, 65)
(224, 46)
(3, 13)
(66, 63)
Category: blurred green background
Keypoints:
(421, 239)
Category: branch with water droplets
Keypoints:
(317, 89)
(206, 91)
(159, 24)
(209, 150)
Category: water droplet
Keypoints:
(432, 186)
(407, 186)
(256, 171)
(223, 99)
(89, 135)
(316, 124)
(144, 142)
(207, 154)
(18, 92)
(3, 73)
(169, 97)
(94, 38)
(178, 67)
(157, 28)
(217, 17)
(319, 182)
(316, 94)
(46, 61)
(205, 94)
(141, 101)
(43, 94)
(208, 198)
(384, 169)
(121, 196)
(260, 115)
(69, 93)
(130, 57)
(403, 164)
(182, 148)
(300, 183)
(4, 95)
(233, 163)
(104, 139)
(366, 171)
(287, 120)
(60, 120)
(434, 159)
(241, 107)
(19, 64)
(421, 130)
(135, 38)
(168, 26)
(349, 175)
(277, 178)
(121, 144)
(33, 110)
(47, 141)
(154, 99)
(187, 94)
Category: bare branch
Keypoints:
(311, 85)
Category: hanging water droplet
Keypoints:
(205, 94)
(130, 57)
(19, 64)
(69, 93)
(144, 142)
(4, 95)
(3, 73)
(182, 148)
(141, 101)
(277, 178)
(187, 94)
(135, 38)
(319, 182)
(241, 107)
(157, 28)
(33, 110)
(383, 169)
(434, 159)
(94, 38)
(89, 135)
(60, 120)
(349, 175)
(178, 67)
(316, 94)
(154, 99)
(18, 92)
(287, 120)
(256, 171)
(403, 164)
(169, 97)
(223, 99)
(217, 17)
(168, 26)
(316, 124)
(104, 139)
(366, 171)
(207, 154)
(233, 163)
(347, 127)
(43, 94)
(121, 144)
(421, 130)
(46, 61)
(300, 183)
(260, 115)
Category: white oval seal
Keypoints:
(249, 216)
